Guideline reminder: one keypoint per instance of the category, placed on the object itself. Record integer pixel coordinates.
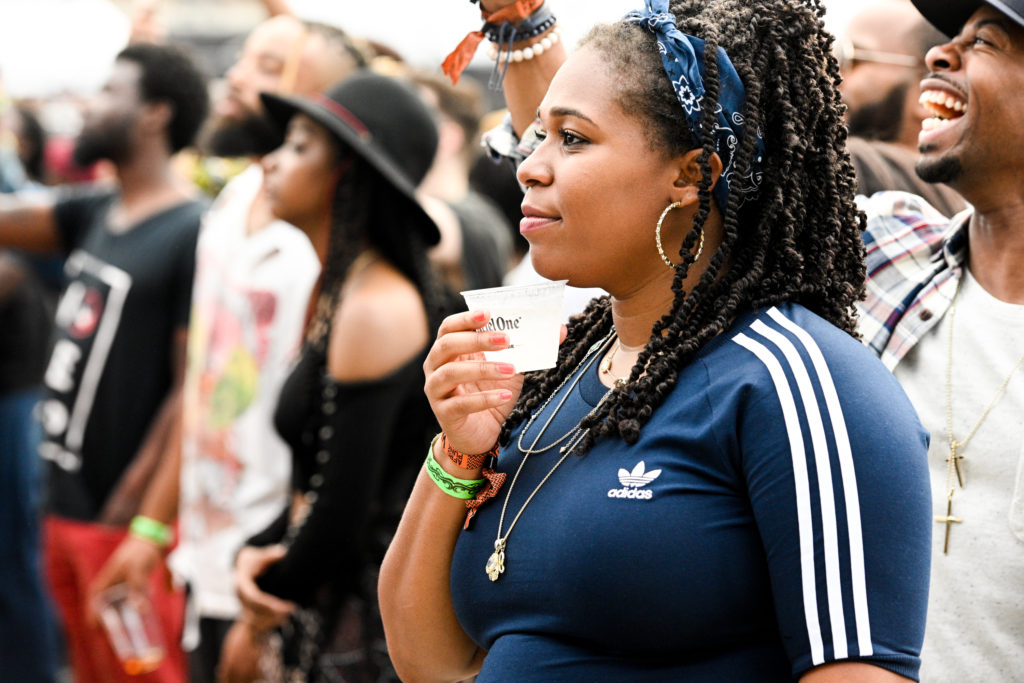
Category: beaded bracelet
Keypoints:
(528, 28)
(149, 529)
(502, 27)
(506, 35)
(527, 53)
(463, 489)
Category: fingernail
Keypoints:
(506, 395)
(479, 316)
(499, 338)
(506, 368)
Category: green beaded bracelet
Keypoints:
(150, 530)
(464, 489)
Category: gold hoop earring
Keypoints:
(657, 237)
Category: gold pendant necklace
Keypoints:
(954, 463)
(495, 566)
(606, 365)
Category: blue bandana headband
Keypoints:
(683, 58)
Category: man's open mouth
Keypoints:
(944, 107)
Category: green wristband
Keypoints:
(151, 530)
(464, 489)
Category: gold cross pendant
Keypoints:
(948, 520)
(957, 459)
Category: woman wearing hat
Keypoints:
(717, 482)
(353, 409)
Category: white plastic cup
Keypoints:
(133, 630)
(531, 316)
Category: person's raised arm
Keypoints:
(28, 224)
(527, 81)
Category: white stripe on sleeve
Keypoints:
(849, 477)
(803, 496)
(826, 494)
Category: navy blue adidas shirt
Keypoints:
(774, 515)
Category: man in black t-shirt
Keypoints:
(111, 409)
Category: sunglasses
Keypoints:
(847, 54)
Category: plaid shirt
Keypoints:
(915, 258)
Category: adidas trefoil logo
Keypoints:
(633, 483)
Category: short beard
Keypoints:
(943, 170)
(880, 120)
(97, 144)
(253, 136)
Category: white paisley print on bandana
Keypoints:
(683, 58)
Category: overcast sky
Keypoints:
(51, 45)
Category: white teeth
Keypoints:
(934, 123)
(942, 105)
(942, 99)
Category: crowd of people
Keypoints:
(780, 441)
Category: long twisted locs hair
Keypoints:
(798, 241)
(364, 213)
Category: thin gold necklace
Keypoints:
(954, 467)
(495, 566)
(598, 346)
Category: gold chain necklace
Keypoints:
(601, 345)
(495, 566)
(954, 467)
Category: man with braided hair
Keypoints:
(945, 311)
(700, 489)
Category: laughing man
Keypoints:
(945, 311)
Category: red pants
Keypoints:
(74, 554)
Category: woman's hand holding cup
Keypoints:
(470, 396)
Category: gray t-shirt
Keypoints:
(975, 628)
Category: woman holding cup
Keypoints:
(717, 480)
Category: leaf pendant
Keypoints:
(496, 562)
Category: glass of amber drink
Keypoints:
(132, 628)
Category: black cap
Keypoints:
(949, 16)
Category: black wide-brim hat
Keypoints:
(384, 122)
(949, 16)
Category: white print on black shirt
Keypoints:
(88, 317)
(633, 483)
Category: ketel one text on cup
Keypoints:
(531, 316)
(501, 324)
